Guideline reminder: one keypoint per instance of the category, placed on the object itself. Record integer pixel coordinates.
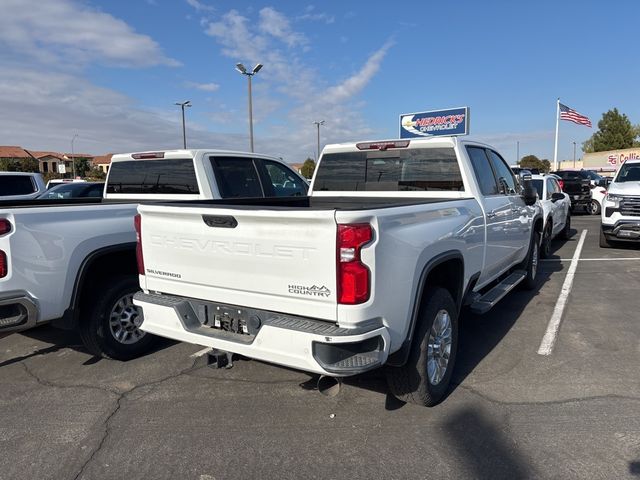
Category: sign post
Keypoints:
(453, 121)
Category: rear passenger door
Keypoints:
(498, 213)
(519, 231)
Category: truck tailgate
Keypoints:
(282, 260)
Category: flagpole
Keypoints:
(555, 150)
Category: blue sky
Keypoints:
(110, 71)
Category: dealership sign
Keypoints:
(454, 121)
(619, 159)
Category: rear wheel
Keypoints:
(425, 378)
(593, 207)
(531, 265)
(545, 247)
(565, 233)
(110, 326)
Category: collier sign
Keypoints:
(454, 121)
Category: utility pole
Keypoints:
(518, 152)
(574, 154)
(243, 70)
(317, 124)
(184, 130)
(73, 157)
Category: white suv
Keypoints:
(621, 206)
(556, 210)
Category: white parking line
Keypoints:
(200, 353)
(591, 259)
(550, 336)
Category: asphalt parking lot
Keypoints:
(512, 412)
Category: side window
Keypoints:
(283, 181)
(551, 188)
(506, 180)
(95, 191)
(16, 185)
(236, 177)
(483, 171)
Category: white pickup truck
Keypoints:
(73, 261)
(21, 186)
(372, 268)
(621, 207)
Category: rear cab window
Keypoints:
(424, 169)
(16, 185)
(237, 177)
(166, 176)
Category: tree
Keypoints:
(615, 131)
(19, 165)
(82, 166)
(531, 161)
(308, 168)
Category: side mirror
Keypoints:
(529, 194)
(557, 196)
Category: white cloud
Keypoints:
(43, 112)
(311, 15)
(63, 30)
(277, 25)
(354, 84)
(201, 7)
(205, 87)
(303, 94)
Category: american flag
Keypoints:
(567, 113)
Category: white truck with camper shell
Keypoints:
(72, 261)
(621, 207)
(371, 269)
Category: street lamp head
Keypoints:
(257, 68)
(241, 68)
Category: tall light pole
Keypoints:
(574, 154)
(243, 70)
(317, 124)
(184, 130)
(73, 157)
(518, 152)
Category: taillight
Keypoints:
(4, 267)
(353, 275)
(561, 182)
(5, 226)
(137, 221)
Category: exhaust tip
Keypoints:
(329, 386)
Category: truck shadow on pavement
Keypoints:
(61, 339)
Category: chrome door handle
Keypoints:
(492, 215)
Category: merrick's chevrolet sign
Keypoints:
(454, 121)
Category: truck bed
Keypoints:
(313, 203)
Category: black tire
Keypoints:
(593, 208)
(604, 241)
(545, 246)
(95, 329)
(565, 233)
(411, 382)
(531, 264)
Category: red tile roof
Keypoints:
(13, 152)
(103, 159)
